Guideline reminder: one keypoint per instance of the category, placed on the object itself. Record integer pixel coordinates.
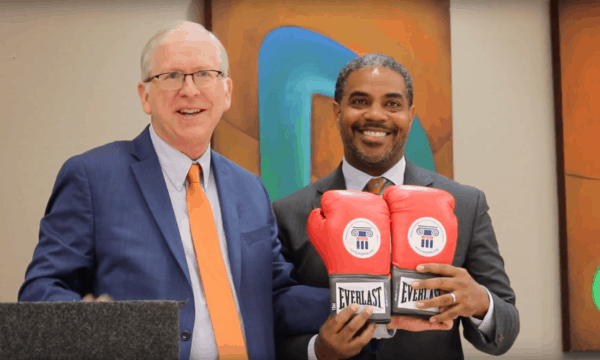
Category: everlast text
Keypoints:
(410, 294)
(362, 297)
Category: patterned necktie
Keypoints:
(213, 274)
(376, 185)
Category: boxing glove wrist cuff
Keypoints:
(364, 290)
(404, 299)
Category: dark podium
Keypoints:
(90, 330)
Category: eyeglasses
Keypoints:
(175, 80)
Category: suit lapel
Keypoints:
(333, 181)
(229, 215)
(414, 176)
(151, 181)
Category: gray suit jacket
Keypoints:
(476, 251)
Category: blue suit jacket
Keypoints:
(109, 227)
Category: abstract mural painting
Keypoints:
(577, 75)
(284, 59)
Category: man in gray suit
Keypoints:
(374, 109)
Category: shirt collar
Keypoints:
(175, 163)
(357, 180)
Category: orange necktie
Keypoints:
(213, 274)
(375, 185)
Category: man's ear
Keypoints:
(411, 114)
(337, 109)
(144, 97)
(228, 90)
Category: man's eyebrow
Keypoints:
(394, 95)
(389, 95)
(357, 93)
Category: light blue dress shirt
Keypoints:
(175, 167)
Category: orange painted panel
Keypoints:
(579, 44)
(580, 76)
(583, 246)
(326, 146)
(415, 32)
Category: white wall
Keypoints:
(68, 82)
(69, 71)
(504, 144)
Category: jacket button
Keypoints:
(500, 337)
(185, 336)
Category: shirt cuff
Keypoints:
(311, 348)
(486, 326)
(381, 332)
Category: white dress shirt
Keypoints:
(357, 180)
(175, 167)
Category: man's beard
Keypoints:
(373, 161)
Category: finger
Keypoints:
(88, 298)
(104, 298)
(354, 325)
(450, 314)
(443, 325)
(417, 324)
(363, 339)
(443, 301)
(439, 283)
(446, 325)
(409, 323)
(440, 269)
(396, 322)
(337, 322)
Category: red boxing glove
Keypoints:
(351, 233)
(424, 230)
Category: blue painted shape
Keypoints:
(293, 64)
(417, 147)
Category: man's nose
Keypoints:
(375, 113)
(189, 88)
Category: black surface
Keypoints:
(90, 330)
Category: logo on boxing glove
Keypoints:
(427, 236)
(362, 293)
(361, 238)
(406, 297)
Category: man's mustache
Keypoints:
(373, 125)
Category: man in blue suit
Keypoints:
(117, 221)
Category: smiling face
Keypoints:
(185, 118)
(374, 117)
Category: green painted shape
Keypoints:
(596, 289)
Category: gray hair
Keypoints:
(369, 61)
(148, 51)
